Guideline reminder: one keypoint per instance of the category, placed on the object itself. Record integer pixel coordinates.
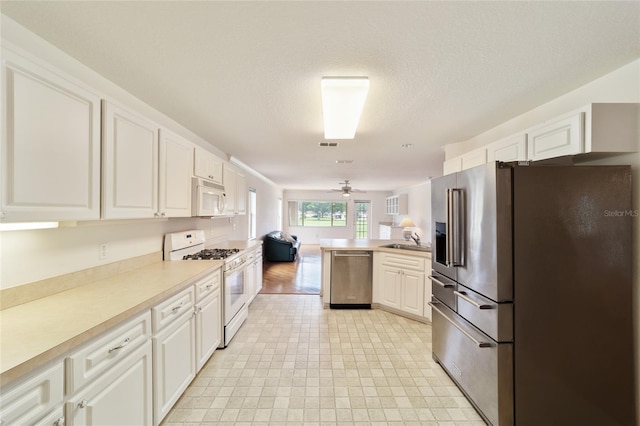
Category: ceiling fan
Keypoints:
(346, 189)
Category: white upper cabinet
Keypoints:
(208, 166)
(129, 165)
(176, 165)
(560, 137)
(601, 127)
(474, 158)
(241, 194)
(50, 145)
(451, 166)
(397, 204)
(513, 148)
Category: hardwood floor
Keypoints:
(299, 277)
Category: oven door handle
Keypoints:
(460, 329)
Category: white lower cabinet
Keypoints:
(208, 316)
(174, 351)
(122, 396)
(258, 271)
(402, 283)
(33, 399)
(54, 418)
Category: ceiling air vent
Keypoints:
(344, 161)
(328, 144)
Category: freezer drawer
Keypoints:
(494, 319)
(482, 368)
(442, 288)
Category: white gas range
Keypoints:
(190, 245)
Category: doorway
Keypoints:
(362, 222)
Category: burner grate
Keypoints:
(211, 254)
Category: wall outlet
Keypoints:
(103, 251)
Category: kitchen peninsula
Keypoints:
(399, 275)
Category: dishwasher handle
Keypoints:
(352, 254)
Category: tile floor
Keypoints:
(294, 362)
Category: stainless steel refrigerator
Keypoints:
(532, 292)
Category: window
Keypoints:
(362, 219)
(252, 213)
(318, 213)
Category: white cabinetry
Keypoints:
(402, 283)
(35, 399)
(390, 232)
(258, 270)
(50, 145)
(129, 165)
(121, 396)
(174, 357)
(599, 127)
(397, 204)
(513, 148)
(208, 318)
(473, 158)
(254, 273)
(235, 186)
(208, 166)
(176, 165)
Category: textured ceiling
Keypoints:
(245, 76)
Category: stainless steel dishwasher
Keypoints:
(351, 279)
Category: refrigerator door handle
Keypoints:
(468, 335)
(462, 295)
(437, 281)
(455, 240)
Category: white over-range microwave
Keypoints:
(208, 198)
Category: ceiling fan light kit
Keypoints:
(342, 103)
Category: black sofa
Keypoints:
(280, 247)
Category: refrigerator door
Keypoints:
(485, 207)
(440, 226)
(574, 355)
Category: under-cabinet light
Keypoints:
(23, 226)
(342, 102)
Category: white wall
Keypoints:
(313, 235)
(622, 85)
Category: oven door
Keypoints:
(234, 292)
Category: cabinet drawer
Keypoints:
(30, 400)
(102, 353)
(168, 311)
(405, 262)
(207, 286)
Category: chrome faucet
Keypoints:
(416, 238)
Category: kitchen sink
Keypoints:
(412, 247)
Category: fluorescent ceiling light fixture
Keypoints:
(22, 226)
(342, 102)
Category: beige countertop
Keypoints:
(374, 245)
(43, 330)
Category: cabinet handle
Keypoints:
(124, 343)
(59, 422)
(162, 214)
(209, 286)
(177, 308)
(83, 403)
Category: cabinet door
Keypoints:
(54, 418)
(390, 287)
(129, 165)
(474, 158)
(208, 166)
(451, 166)
(250, 280)
(176, 164)
(230, 189)
(564, 136)
(122, 396)
(174, 363)
(510, 149)
(50, 145)
(413, 292)
(259, 273)
(208, 316)
(241, 194)
(29, 400)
